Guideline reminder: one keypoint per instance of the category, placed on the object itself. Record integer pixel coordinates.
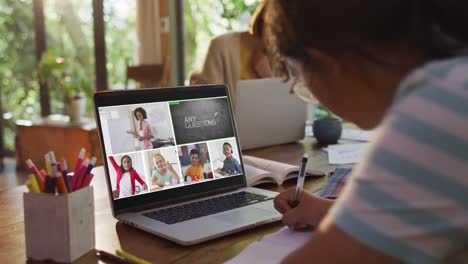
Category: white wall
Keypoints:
(159, 119)
(119, 123)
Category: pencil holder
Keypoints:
(59, 227)
(77, 184)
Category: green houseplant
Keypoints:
(67, 82)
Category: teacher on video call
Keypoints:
(400, 65)
(145, 132)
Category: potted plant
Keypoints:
(68, 84)
(327, 127)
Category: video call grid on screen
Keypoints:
(173, 136)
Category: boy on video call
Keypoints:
(230, 165)
(195, 171)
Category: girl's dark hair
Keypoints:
(141, 110)
(436, 27)
(121, 163)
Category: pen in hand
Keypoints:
(300, 183)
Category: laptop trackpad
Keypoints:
(245, 216)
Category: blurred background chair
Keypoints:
(148, 75)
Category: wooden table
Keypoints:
(36, 138)
(112, 235)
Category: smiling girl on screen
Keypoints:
(145, 133)
(163, 173)
(126, 177)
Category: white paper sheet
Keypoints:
(272, 248)
(357, 134)
(346, 153)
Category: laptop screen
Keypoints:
(162, 144)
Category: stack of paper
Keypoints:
(357, 134)
(346, 153)
(272, 248)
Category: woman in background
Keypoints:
(236, 56)
(145, 132)
(400, 64)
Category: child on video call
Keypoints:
(163, 173)
(231, 165)
(126, 176)
(195, 171)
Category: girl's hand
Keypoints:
(169, 166)
(308, 213)
(145, 187)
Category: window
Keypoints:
(18, 86)
(205, 19)
(69, 61)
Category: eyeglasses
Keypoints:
(302, 92)
(298, 87)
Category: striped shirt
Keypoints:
(409, 197)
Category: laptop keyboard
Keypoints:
(211, 206)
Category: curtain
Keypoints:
(149, 32)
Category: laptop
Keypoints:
(189, 189)
(267, 114)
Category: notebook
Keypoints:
(272, 248)
(161, 148)
(267, 113)
(335, 183)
